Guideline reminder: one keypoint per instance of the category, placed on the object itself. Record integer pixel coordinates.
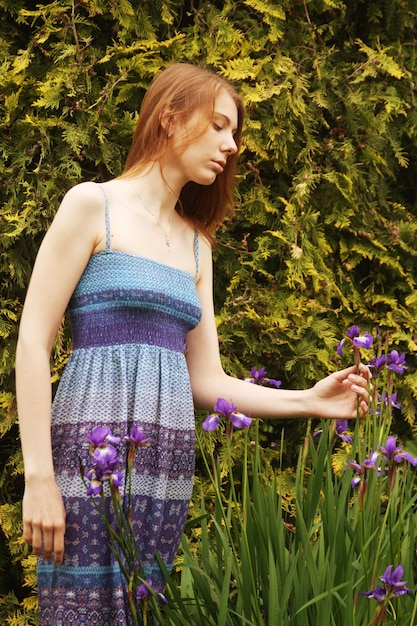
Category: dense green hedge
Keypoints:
(325, 232)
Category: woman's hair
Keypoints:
(177, 93)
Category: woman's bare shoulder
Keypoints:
(83, 204)
(86, 194)
(206, 247)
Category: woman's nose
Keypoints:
(229, 145)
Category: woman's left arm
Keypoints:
(332, 397)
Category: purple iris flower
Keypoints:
(371, 461)
(363, 341)
(211, 422)
(96, 477)
(340, 430)
(137, 437)
(228, 411)
(101, 436)
(145, 591)
(353, 331)
(393, 585)
(339, 348)
(112, 475)
(105, 458)
(361, 470)
(392, 400)
(94, 484)
(358, 340)
(392, 452)
(396, 362)
(379, 593)
(393, 579)
(378, 363)
(356, 466)
(258, 377)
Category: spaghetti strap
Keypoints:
(196, 252)
(107, 216)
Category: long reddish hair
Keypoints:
(178, 92)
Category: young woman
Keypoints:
(131, 259)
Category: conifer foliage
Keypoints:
(324, 234)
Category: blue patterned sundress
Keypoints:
(129, 316)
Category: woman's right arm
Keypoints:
(73, 236)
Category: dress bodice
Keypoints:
(124, 298)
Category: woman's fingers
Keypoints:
(46, 540)
(37, 539)
(44, 520)
(58, 548)
(361, 386)
(27, 532)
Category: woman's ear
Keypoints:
(167, 123)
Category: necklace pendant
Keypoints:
(156, 218)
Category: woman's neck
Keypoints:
(158, 189)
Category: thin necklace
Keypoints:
(167, 233)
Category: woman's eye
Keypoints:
(217, 127)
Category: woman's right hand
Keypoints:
(44, 519)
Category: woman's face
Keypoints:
(203, 158)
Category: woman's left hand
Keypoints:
(343, 394)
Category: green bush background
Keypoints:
(325, 233)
